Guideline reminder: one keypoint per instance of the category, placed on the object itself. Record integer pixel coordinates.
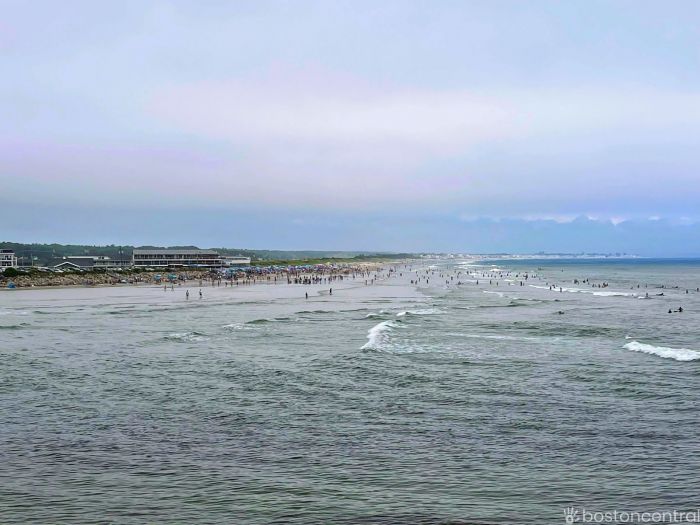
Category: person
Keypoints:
(331, 291)
(200, 294)
(307, 295)
(187, 294)
(680, 309)
(670, 311)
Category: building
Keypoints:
(109, 263)
(235, 260)
(176, 258)
(8, 259)
(89, 262)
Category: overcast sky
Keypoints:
(352, 125)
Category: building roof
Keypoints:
(78, 262)
(173, 251)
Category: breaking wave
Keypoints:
(679, 354)
(378, 336)
(186, 337)
(600, 293)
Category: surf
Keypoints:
(678, 354)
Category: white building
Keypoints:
(8, 259)
(174, 258)
(235, 260)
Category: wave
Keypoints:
(186, 337)
(375, 315)
(236, 326)
(13, 312)
(378, 335)
(679, 354)
(511, 304)
(495, 337)
(599, 293)
(14, 326)
(499, 294)
(425, 311)
(268, 320)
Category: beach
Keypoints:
(443, 392)
(237, 276)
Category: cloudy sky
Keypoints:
(457, 126)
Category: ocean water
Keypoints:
(385, 404)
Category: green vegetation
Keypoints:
(12, 272)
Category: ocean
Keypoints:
(444, 401)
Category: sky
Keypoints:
(470, 126)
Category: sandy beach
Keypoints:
(348, 286)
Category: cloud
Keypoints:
(524, 151)
(296, 110)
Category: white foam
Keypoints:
(599, 293)
(679, 354)
(13, 312)
(495, 337)
(236, 326)
(186, 337)
(499, 294)
(425, 311)
(378, 335)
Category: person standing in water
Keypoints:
(187, 294)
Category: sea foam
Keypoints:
(378, 335)
(679, 354)
(599, 293)
(186, 337)
(425, 311)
